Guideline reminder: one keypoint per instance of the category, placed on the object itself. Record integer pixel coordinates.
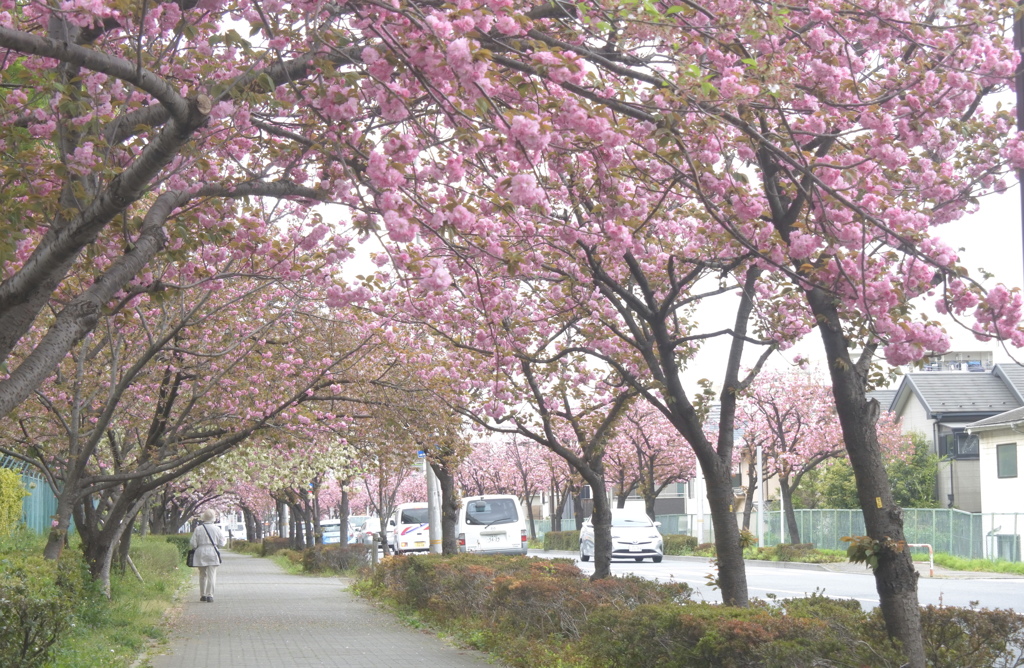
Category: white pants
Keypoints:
(207, 580)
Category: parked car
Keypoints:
(492, 524)
(367, 532)
(331, 529)
(412, 528)
(634, 536)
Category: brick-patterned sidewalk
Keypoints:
(262, 617)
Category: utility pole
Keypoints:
(1018, 43)
(760, 499)
(433, 507)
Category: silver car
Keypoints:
(634, 536)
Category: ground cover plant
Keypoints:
(54, 615)
(538, 613)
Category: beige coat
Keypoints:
(206, 555)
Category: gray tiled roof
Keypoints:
(1014, 376)
(961, 392)
(884, 397)
(1009, 417)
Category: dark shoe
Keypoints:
(209, 599)
(203, 598)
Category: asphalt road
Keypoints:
(848, 581)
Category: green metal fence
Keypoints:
(40, 505)
(947, 530)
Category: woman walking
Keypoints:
(205, 540)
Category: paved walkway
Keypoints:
(262, 617)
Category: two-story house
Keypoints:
(941, 402)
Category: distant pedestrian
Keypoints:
(205, 540)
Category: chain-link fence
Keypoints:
(40, 505)
(947, 530)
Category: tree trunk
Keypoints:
(787, 500)
(748, 505)
(732, 577)
(58, 535)
(124, 546)
(529, 513)
(649, 505)
(601, 518)
(556, 517)
(283, 519)
(895, 576)
(343, 513)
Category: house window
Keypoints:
(956, 443)
(1006, 460)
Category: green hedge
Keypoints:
(679, 544)
(38, 599)
(273, 544)
(562, 540)
(335, 557)
(544, 613)
(180, 541)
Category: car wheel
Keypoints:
(656, 559)
(638, 559)
(583, 555)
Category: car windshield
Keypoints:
(631, 521)
(492, 511)
(415, 516)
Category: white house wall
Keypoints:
(915, 419)
(1001, 498)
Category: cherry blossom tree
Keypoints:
(488, 469)
(170, 388)
(792, 417)
(649, 452)
(638, 158)
(175, 503)
(730, 134)
(507, 466)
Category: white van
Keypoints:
(412, 528)
(492, 524)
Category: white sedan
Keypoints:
(634, 536)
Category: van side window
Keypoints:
(494, 511)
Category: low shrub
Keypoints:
(274, 544)
(559, 603)
(156, 557)
(680, 544)
(794, 551)
(535, 612)
(705, 550)
(971, 638)
(336, 557)
(702, 635)
(562, 540)
(804, 553)
(291, 555)
(180, 541)
(38, 603)
(520, 595)
(246, 546)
